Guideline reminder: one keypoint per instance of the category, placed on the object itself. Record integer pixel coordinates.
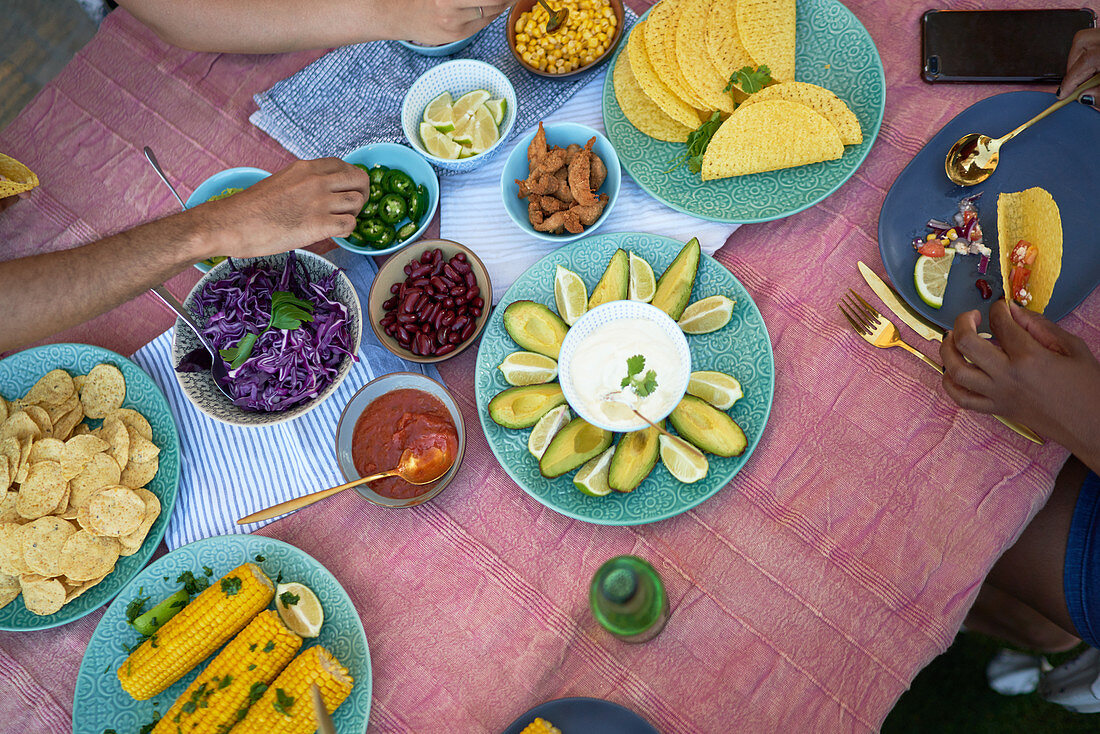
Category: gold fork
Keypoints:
(881, 332)
(876, 328)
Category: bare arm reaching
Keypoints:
(275, 26)
(305, 202)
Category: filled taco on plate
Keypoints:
(1029, 232)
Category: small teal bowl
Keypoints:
(457, 77)
(231, 178)
(561, 135)
(445, 49)
(392, 155)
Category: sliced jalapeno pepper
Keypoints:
(392, 209)
(370, 209)
(407, 231)
(378, 175)
(398, 182)
(360, 165)
(371, 230)
(389, 234)
(422, 199)
(356, 240)
(415, 213)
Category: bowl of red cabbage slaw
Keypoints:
(288, 324)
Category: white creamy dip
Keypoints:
(598, 367)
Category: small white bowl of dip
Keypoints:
(593, 362)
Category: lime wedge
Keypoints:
(570, 295)
(681, 462)
(483, 131)
(930, 277)
(438, 113)
(437, 143)
(528, 368)
(299, 608)
(496, 108)
(707, 315)
(717, 388)
(543, 432)
(466, 152)
(642, 283)
(463, 134)
(591, 479)
(468, 103)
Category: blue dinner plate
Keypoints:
(742, 349)
(832, 50)
(1047, 155)
(100, 703)
(585, 715)
(18, 373)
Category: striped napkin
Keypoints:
(231, 471)
(471, 210)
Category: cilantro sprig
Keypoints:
(750, 80)
(288, 599)
(643, 385)
(287, 312)
(697, 143)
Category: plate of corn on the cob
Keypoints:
(202, 641)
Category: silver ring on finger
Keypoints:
(480, 12)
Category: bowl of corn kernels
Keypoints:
(588, 37)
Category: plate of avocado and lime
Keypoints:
(740, 349)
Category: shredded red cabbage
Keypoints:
(286, 367)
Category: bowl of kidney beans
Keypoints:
(430, 301)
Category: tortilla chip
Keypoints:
(100, 472)
(652, 85)
(1031, 215)
(86, 556)
(43, 540)
(9, 589)
(104, 390)
(767, 29)
(132, 542)
(43, 490)
(4, 410)
(139, 474)
(72, 591)
(133, 419)
(113, 511)
(117, 434)
(8, 513)
(660, 33)
(818, 99)
(48, 449)
(42, 595)
(11, 549)
(20, 425)
(41, 419)
(53, 388)
(19, 177)
(640, 110)
(768, 136)
(703, 78)
(5, 478)
(79, 450)
(141, 450)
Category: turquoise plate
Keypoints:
(834, 51)
(18, 373)
(741, 348)
(100, 703)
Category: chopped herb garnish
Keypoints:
(283, 702)
(179, 603)
(252, 666)
(750, 80)
(164, 577)
(109, 731)
(189, 707)
(136, 607)
(260, 559)
(191, 584)
(279, 579)
(252, 647)
(289, 599)
(208, 571)
(697, 142)
(256, 692)
(269, 646)
(231, 585)
(643, 385)
(154, 641)
(149, 727)
(225, 682)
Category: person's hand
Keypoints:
(1083, 62)
(435, 22)
(1037, 373)
(305, 202)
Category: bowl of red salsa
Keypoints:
(387, 415)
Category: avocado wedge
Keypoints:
(675, 284)
(615, 283)
(707, 427)
(572, 446)
(535, 327)
(521, 407)
(634, 458)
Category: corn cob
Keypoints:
(287, 706)
(199, 629)
(220, 696)
(540, 726)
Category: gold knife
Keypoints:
(320, 713)
(926, 330)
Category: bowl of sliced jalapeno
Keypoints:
(404, 194)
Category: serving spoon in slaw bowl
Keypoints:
(219, 370)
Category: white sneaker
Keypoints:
(1012, 673)
(1076, 684)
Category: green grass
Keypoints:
(951, 695)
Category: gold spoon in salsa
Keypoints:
(418, 465)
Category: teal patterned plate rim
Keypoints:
(742, 348)
(833, 50)
(17, 374)
(99, 702)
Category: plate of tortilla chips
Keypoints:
(1041, 192)
(89, 470)
(781, 141)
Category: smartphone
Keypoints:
(1015, 46)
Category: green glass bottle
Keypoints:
(628, 599)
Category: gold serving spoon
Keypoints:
(414, 468)
(974, 157)
(557, 17)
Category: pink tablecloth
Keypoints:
(806, 595)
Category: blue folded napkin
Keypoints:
(352, 96)
(232, 471)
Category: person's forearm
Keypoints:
(261, 26)
(43, 294)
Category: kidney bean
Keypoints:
(408, 269)
(437, 268)
(471, 280)
(439, 284)
(424, 343)
(395, 287)
(389, 303)
(437, 318)
(984, 288)
(403, 334)
(406, 318)
(445, 349)
(474, 292)
(426, 256)
(429, 313)
(478, 303)
(410, 302)
(475, 312)
(437, 255)
(441, 335)
(420, 283)
(460, 266)
(459, 323)
(448, 317)
(458, 290)
(420, 271)
(454, 338)
(448, 302)
(451, 273)
(469, 330)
